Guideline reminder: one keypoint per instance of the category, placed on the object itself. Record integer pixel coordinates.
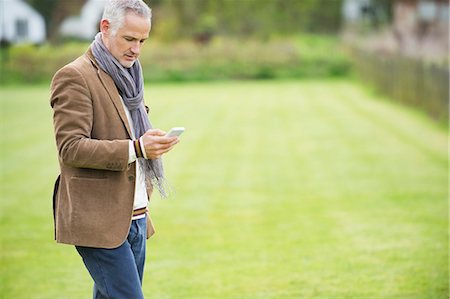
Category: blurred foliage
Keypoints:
(54, 13)
(205, 40)
(32, 64)
(202, 19)
(222, 58)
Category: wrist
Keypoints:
(137, 148)
(141, 143)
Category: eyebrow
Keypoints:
(133, 38)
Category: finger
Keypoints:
(167, 140)
(154, 141)
(155, 154)
(165, 146)
(160, 148)
(155, 132)
(165, 149)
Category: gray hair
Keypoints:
(115, 11)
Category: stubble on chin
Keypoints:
(128, 64)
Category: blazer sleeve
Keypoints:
(73, 118)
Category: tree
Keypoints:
(54, 13)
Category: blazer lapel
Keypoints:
(111, 88)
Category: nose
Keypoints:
(136, 48)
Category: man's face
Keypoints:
(125, 45)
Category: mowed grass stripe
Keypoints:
(370, 143)
(400, 121)
(321, 178)
(294, 189)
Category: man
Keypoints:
(108, 153)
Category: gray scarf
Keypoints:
(130, 84)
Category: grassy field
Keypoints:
(294, 189)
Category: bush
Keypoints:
(226, 58)
(220, 59)
(34, 64)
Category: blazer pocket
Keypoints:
(89, 197)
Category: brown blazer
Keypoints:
(93, 200)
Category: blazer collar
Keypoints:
(110, 86)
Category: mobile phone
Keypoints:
(176, 131)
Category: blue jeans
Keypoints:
(118, 272)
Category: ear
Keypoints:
(105, 26)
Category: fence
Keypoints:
(407, 81)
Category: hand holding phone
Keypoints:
(156, 143)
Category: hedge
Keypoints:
(222, 58)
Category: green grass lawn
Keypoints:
(284, 189)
